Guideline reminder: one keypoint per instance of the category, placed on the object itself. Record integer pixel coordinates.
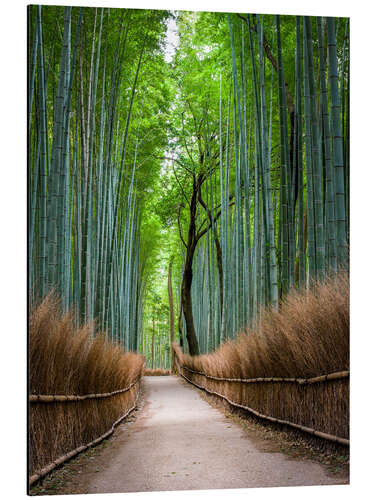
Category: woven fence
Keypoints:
(61, 426)
(316, 405)
(80, 386)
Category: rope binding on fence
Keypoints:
(48, 468)
(301, 381)
(57, 398)
(303, 428)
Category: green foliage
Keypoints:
(101, 97)
(118, 139)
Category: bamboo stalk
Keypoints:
(337, 141)
(315, 156)
(299, 161)
(285, 192)
(330, 201)
(311, 237)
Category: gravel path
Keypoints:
(179, 442)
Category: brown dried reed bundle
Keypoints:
(307, 337)
(64, 359)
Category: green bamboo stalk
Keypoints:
(286, 271)
(42, 191)
(309, 177)
(55, 184)
(225, 232)
(299, 148)
(246, 191)
(345, 118)
(331, 231)
(32, 69)
(117, 196)
(63, 177)
(271, 279)
(316, 159)
(255, 250)
(338, 161)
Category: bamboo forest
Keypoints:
(188, 182)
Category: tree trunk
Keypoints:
(188, 309)
(180, 330)
(187, 278)
(219, 256)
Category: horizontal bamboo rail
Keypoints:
(303, 428)
(57, 398)
(301, 381)
(50, 467)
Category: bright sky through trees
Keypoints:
(172, 39)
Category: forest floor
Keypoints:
(178, 440)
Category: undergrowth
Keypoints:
(67, 360)
(308, 336)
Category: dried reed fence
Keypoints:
(293, 368)
(156, 372)
(79, 388)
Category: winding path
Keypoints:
(179, 442)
